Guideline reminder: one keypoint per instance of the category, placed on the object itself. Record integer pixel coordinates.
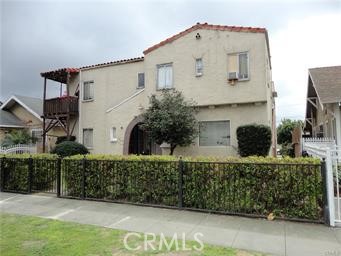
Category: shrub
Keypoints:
(17, 137)
(16, 168)
(287, 150)
(69, 148)
(253, 139)
(287, 187)
(64, 138)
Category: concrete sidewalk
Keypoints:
(275, 237)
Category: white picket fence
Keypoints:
(327, 150)
(19, 149)
(318, 146)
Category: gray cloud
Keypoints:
(38, 36)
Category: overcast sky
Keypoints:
(39, 36)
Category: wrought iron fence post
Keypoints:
(83, 177)
(180, 183)
(30, 174)
(58, 173)
(325, 198)
(2, 173)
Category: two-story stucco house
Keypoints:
(323, 106)
(226, 70)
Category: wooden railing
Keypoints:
(61, 105)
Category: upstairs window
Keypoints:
(199, 67)
(238, 65)
(140, 82)
(88, 90)
(165, 76)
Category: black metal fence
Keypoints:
(27, 175)
(290, 191)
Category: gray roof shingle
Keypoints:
(36, 104)
(327, 81)
(7, 119)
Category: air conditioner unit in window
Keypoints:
(232, 77)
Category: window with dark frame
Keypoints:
(140, 83)
(88, 137)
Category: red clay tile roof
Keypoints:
(116, 62)
(205, 26)
(59, 75)
(63, 71)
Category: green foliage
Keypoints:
(253, 139)
(287, 187)
(28, 235)
(287, 150)
(17, 137)
(171, 119)
(16, 169)
(229, 185)
(69, 148)
(285, 129)
(60, 139)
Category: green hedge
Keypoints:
(16, 167)
(253, 139)
(287, 187)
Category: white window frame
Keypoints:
(87, 146)
(198, 74)
(113, 134)
(93, 91)
(35, 130)
(248, 64)
(157, 76)
(225, 120)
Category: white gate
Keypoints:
(326, 149)
(19, 149)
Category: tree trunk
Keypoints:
(172, 149)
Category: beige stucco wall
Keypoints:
(29, 119)
(239, 115)
(214, 48)
(112, 85)
(115, 83)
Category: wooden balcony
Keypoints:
(61, 106)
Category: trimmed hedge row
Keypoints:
(16, 172)
(290, 188)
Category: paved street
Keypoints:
(273, 237)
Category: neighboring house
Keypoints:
(323, 114)
(226, 70)
(22, 112)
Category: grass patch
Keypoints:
(24, 235)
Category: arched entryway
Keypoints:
(137, 141)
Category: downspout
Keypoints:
(80, 139)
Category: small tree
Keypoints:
(17, 137)
(171, 119)
(285, 129)
(253, 140)
(284, 135)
